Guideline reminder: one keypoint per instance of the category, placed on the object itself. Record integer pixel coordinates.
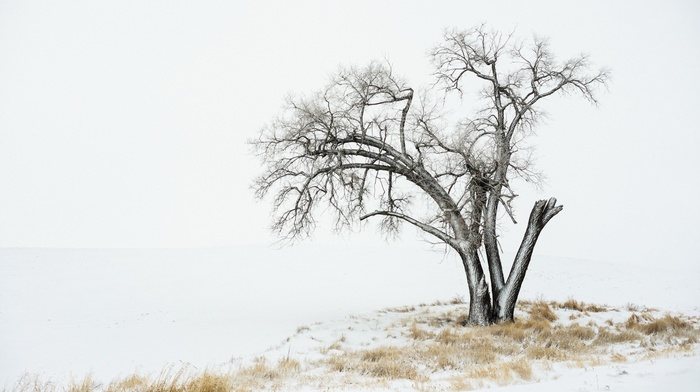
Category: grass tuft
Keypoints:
(606, 336)
(572, 304)
(417, 333)
(666, 324)
(541, 311)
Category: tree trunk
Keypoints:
(479, 297)
(504, 303)
(492, 253)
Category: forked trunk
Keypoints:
(504, 303)
(481, 310)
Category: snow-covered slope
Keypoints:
(65, 313)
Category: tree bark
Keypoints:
(491, 247)
(542, 212)
(480, 313)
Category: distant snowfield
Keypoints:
(66, 313)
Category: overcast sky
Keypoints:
(123, 123)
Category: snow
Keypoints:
(65, 313)
(671, 374)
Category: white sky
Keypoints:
(123, 123)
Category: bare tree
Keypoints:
(369, 146)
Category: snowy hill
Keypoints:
(67, 313)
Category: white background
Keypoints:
(123, 123)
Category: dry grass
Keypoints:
(417, 333)
(32, 383)
(513, 331)
(260, 372)
(386, 362)
(443, 345)
(541, 311)
(423, 345)
(173, 380)
(503, 373)
(607, 337)
(381, 362)
(87, 384)
(507, 352)
(210, 382)
(402, 309)
(572, 304)
(666, 324)
(169, 380)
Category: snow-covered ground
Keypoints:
(66, 313)
(667, 374)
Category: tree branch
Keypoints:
(442, 236)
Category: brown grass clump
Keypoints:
(209, 382)
(85, 385)
(595, 308)
(607, 337)
(462, 320)
(288, 365)
(543, 352)
(333, 347)
(541, 311)
(572, 304)
(417, 333)
(461, 348)
(633, 321)
(482, 350)
(666, 324)
(522, 368)
(670, 329)
(540, 326)
(514, 331)
(502, 372)
(390, 368)
(261, 371)
(403, 309)
(338, 363)
(258, 370)
(462, 383)
(261, 376)
(382, 362)
(445, 361)
(497, 372)
(449, 336)
(169, 380)
(580, 332)
(130, 383)
(380, 353)
(447, 318)
(566, 343)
